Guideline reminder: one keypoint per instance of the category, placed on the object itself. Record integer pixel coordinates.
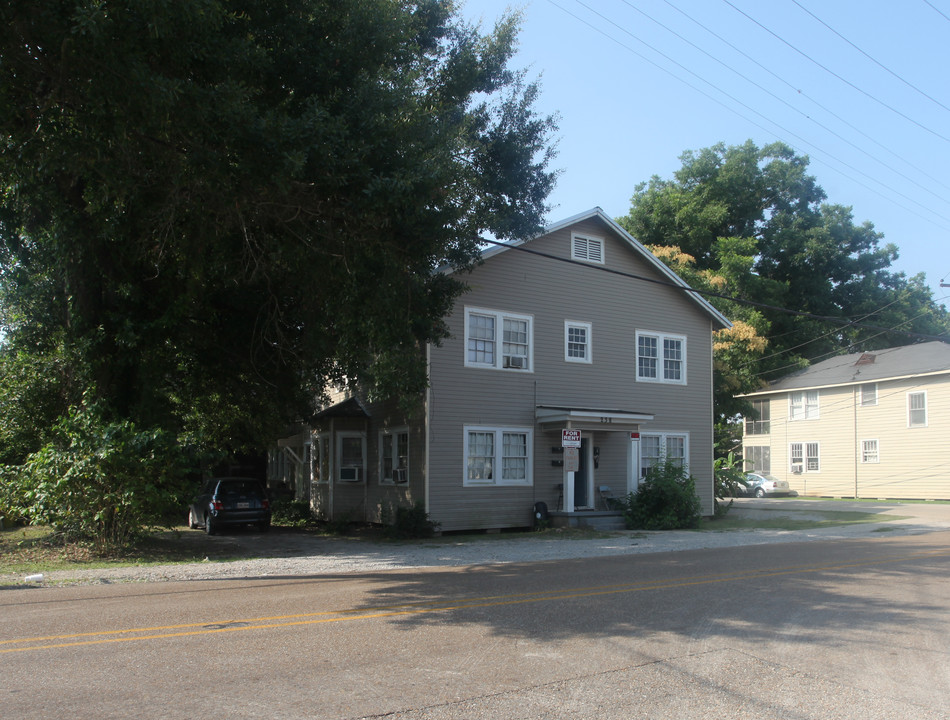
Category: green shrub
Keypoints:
(730, 482)
(411, 522)
(666, 500)
(291, 513)
(104, 481)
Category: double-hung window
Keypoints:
(661, 358)
(498, 340)
(351, 453)
(917, 409)
(803, 405)
(394, 457)
(498, 456)
(868, 395)
(577, 342)
(758, 422)
(804, 457)
(655, 448)
(870, 452)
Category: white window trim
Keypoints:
(663, 435)
(926, 421)
(867, 402)
(568, 325)
(499, 356)
(877, 452)
(321, 458)
(805, 415)
(660, 337)
(394, 433)
(340, 436)
(499, 432)
(587, 240)
(804, 468)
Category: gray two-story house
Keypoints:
(579, 328)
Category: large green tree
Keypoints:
(750, 223)
(211, 209)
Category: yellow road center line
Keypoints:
(403, 609)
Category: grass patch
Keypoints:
(786, 519)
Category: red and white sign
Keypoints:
(570, 438)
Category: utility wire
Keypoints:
(716, 100)
(801, 93)
(936, 10)
(839, 77)
(872, 59)
(875, 158)
(709, 293)
(734, 99)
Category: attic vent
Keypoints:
(587, 248)
(866, 359)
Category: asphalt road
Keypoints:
(842, 629)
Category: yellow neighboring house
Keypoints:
(868, 425)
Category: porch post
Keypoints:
(569, 486)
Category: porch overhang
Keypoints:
(551, 417)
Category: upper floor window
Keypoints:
(868, 394)
(661, 358)
(803, 405)
(758, 423)
(394, 457)
(577, 342)
(917, 409)
(587, 248)
(497, 340)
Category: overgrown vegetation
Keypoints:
(411, 523)
(291, 513)
(100, 480)
(665, 500)
(729, 482)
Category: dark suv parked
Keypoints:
(230, 501)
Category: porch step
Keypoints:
(600, 520)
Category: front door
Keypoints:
(582, 477)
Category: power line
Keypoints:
(936, 10)
(872, 59)
(805, 115)
(839, 77)
(801, 93)
(845, 322)
(788, 132)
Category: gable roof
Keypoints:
(651, 259)
(928, 358)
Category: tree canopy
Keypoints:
(210, 210)
(750, 223)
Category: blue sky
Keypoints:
(860, 87)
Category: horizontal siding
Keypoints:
(369, 500)
(552, 292)
(912, 460)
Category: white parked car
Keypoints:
(760, 485)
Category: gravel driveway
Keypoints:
(297, 555)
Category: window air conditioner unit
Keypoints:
(400, 476)
(515, 361)
(797, 468)
(350, 474)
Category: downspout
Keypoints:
(428, 427)
(854, 403)
(331, 464)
